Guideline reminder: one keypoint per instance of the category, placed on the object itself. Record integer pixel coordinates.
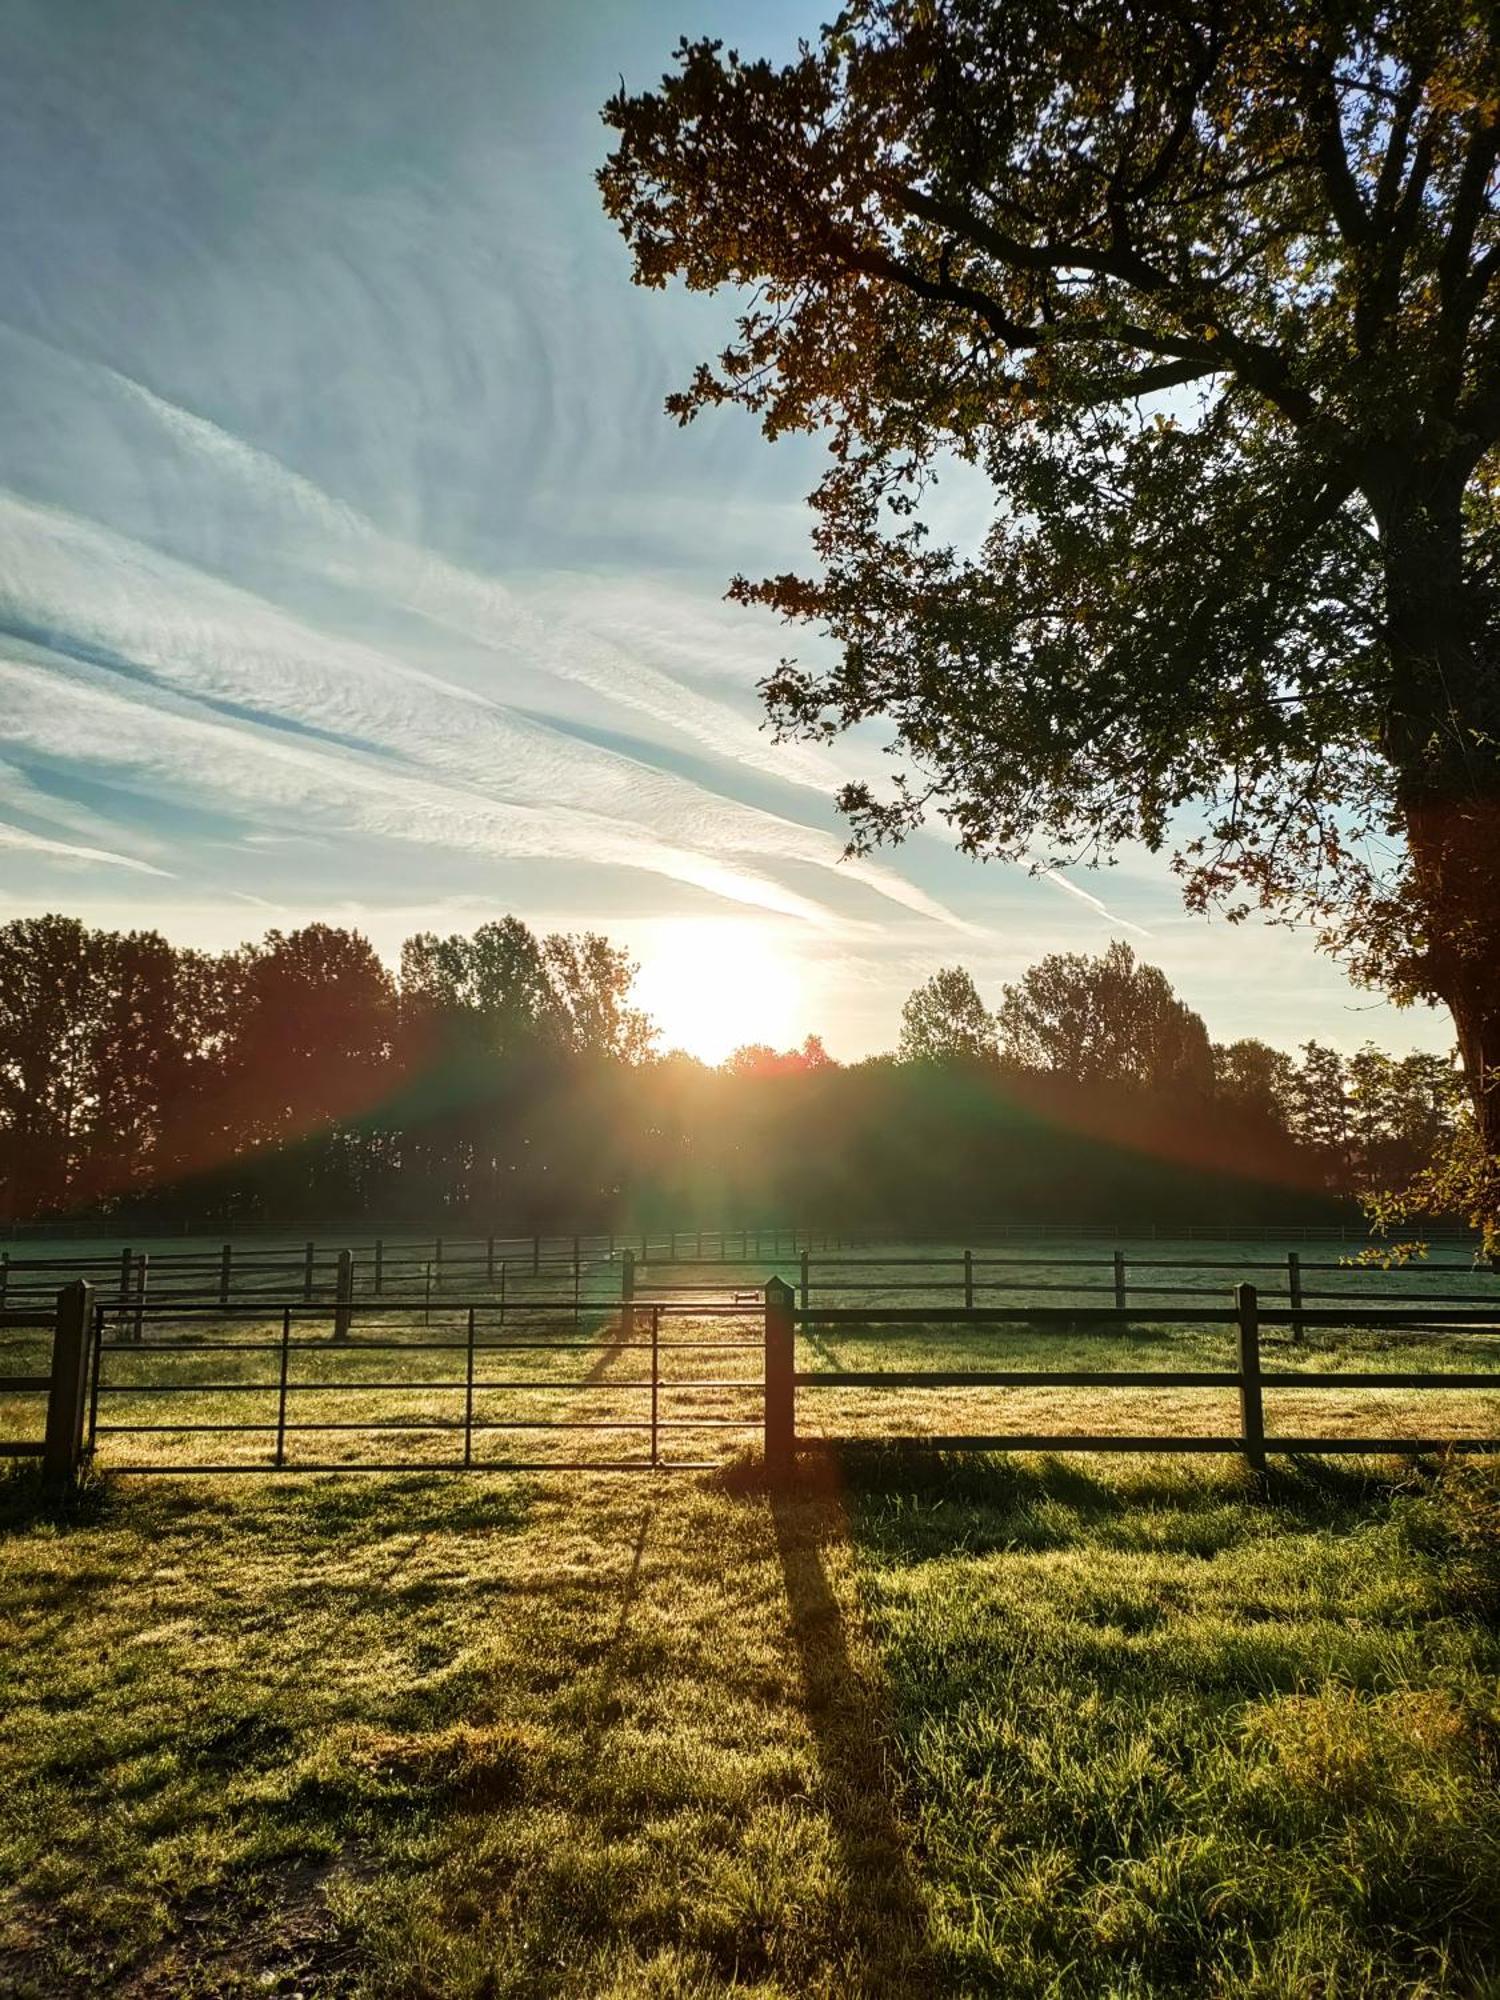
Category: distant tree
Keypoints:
(1210, 295)
(488, 988)
(1105, 1020)
(313, 1033)
(759, 1059)
(588, 985)
(1257, 1080)
(1320, 1110)
(944, 1020)
(50, 989)
(1404, 1114)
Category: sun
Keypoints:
(711, 984)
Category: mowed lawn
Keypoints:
(1005, 1726)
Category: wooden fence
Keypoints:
(64, 1381)
(1249, 1378)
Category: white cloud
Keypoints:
(17, 838)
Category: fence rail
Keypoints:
(784, 1379)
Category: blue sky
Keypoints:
(349, 568)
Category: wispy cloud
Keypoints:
(17, 839)
(1101, 908)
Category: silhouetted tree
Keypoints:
(944, 1020)
(1105, 1020)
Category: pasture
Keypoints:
(995, 1725)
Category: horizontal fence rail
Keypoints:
(1249, 1379)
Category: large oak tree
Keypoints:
(1209, 294)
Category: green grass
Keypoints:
(1159, 1738)
(1006, 1727)
(1014, 1726)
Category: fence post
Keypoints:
(437, 1261)
(379, 1266)
(968, 1281)
(469, 1396)
(1120, 1280)
(781, 1384)
(4, 1274)
(343, 1309)
(1252, 1416)
(224, 1265)
(1294, 1289)
(125, 1261)
(281, 1385)
(627, 1293)
(138, 1331)
(655, 1385)
(802, 1286)
(489, 1262)
(309, 1266)
(63, 1443)
(575, 1280)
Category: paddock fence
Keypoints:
(417, 1383)
(704, 1265)
(1249, 1379)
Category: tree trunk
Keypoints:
(1455, 864)
(1443, 737)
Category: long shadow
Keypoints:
(854, 1741)
(603, 1709)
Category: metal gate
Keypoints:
(417, 1385)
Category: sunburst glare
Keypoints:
(713, 984)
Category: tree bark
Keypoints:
(1443, 737)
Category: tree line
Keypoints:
(501, 1079)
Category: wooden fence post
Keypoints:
(968, 1281)
(225, 1256)
(125, 1263)
(4, 1274)
(63, 1443)
(781, 1384)
(1294, 1289)
(138, 1330)
(1252, 1415)
(627, 1293)
(379, 1266)
(1120, 1281)
(489, 1262)
(309, 1263)
(343, 1307)
(802, 1287)
(437, 1261)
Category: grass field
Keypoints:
(1016, 1727)
(1009, 1726)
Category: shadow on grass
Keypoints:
(1317, 1490)
(853, 1740)
(28, 1500)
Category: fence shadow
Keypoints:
(853, 1738)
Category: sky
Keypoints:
(351, 571)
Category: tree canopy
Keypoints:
(1105, 1020)
(1208, 293)
(944, 1020)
